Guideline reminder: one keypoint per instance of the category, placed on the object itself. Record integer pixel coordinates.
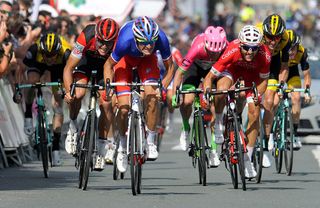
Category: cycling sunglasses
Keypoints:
(143, 42)
(106, 43)
(247, 48)
(278, 37)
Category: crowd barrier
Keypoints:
(13, 139)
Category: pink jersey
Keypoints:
(232, 61)
(197, 54)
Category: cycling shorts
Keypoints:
(146, 66)
(194, 75)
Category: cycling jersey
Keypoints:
(35, 61)
(232, 61)
(126, 44)
(198, 55)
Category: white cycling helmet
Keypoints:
(250, 35)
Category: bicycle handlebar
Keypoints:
(86, 86)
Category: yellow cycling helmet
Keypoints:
(50, 44)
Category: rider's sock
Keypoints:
(151, 136)
(102, 142)
(73, 125)
(185, 125)
(250, 151)
(56, 141)
(28, 113)
(122, 143)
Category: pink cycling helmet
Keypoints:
(215, 39)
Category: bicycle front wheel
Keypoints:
(278, 151)
(240, 150)
(43, 143)
(135, 157)
(288, 142)
(202, 159)
(88, 164)
(258, 153)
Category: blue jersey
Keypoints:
(126, 44)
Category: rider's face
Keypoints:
(272, 41)
(249, 52)
(104, 46)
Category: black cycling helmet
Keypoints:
(50, 44)
(294, 37)
(273, 25)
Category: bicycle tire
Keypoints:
(81, 150)
(134, 163)
(202, 145)
(88, 157)
(278, 151)
(258, 153)
(229, 145)
(240, 150)
(116, 172)
(288, 142)
(43, 143)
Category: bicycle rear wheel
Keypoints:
(89, 150)
(135, 157)
(240, 150)
(43, 143)
(288, 142)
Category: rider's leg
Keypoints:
(74, 108)
(57, 121)
(223, 83)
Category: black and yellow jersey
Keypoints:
(300, 58)
(34, 58)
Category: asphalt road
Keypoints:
(169, 182)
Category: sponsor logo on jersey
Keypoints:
(229, 53)
(78, 48)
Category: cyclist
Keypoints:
(92, 48)
(138, 42)
(248, 59)
(298, 55)
(205, 50)
(277, 39)
(49, 52)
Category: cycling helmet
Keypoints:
(145, 30)
(107, 29)
(50, 44)
(215, 39)
(294, 37)
(274, 25)
(250, 35)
